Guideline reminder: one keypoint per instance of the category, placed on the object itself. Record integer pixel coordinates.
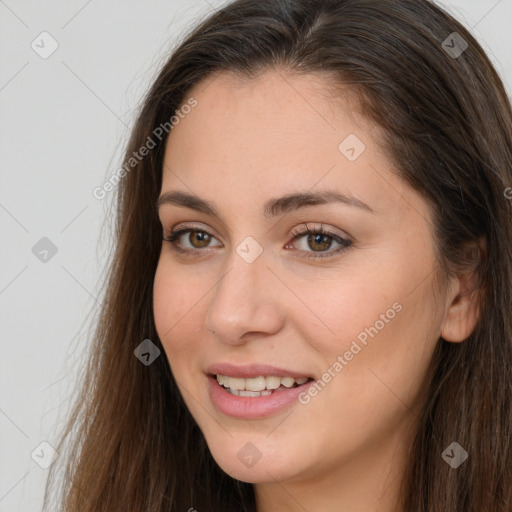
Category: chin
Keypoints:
(256, 461)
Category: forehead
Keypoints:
(271, 120)
(277, 97)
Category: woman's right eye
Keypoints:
(196, 239)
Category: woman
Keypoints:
(309, 303)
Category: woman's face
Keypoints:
(252, 295)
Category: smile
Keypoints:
(254, 397)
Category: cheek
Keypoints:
(176, 302)
(345, 306)
(382, 327)
(376, 384)
(165, 302)
(392, 355)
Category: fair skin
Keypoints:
(252, 140)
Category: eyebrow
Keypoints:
(272, 208)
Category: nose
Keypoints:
(245, 302)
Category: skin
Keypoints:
(251, 140)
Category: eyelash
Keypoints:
(296, 234)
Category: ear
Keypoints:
(463, 298)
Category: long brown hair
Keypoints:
(130, 442)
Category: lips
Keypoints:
(254, 391)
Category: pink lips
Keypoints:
(252, 407)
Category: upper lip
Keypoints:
(248, 371)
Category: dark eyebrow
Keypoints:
(272, 208)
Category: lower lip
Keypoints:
(252, 407)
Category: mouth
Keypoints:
(255, 387)
(255, 395)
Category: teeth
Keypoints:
(287, 382)
(257, 386)
(234, 383)
(254, 393)
(273, 382)
(243, 392)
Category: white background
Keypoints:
(64, 121)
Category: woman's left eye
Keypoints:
(317, 239)
(320, 241)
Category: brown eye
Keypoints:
(189, 239)
(319, 242)
(199, 239)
